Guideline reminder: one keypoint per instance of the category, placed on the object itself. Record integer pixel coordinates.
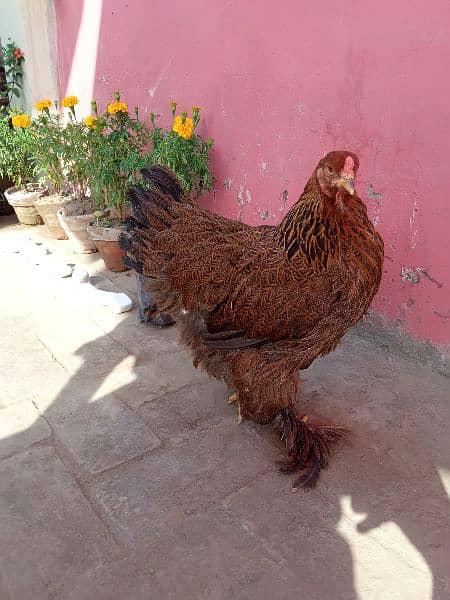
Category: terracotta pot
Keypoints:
(74, 223)
(106, 240)
(23, 199)
(47, 207)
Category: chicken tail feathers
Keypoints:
(152, 212)
(309, 446)
(164, 180)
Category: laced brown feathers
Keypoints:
(256, 305)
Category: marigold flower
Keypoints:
(91, 121)
(69, 101)
(116, 107)
(184, 126)
(23, 121)
(43, 104)
(18, 54)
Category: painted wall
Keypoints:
(280, 84)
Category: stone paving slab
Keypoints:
(48, 530)
(154, 375)
(178, 415)
(77, 343)
(143, 500)
(138, 338)
(202, 557)
(98, 434)
(21, 426)
(25, 359)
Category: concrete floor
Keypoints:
(123, 473)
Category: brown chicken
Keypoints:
(256, 305)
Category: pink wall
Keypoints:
(281, 83)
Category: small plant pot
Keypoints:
(107, 241)
(22, 199)
(47, 207)
(74, 221)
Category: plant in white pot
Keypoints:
(17, 165)
(75, 215)
(52, 147)
(117, 141)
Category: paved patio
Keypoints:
(123, 473)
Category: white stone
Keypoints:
(80, 276)
(118, 302)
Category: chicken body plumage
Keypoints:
(256, 305)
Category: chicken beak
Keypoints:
(348, 184)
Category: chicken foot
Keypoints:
(231, 400)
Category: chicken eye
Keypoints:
(329, 169)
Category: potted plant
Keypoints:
(116, 144)
(11, 73)
(17, 165)
(51, 143)
(75, 215)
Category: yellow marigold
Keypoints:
(69, 101)
(116, 107)
(184, 128)
(23, 121)
(43, 104)
(90, 121)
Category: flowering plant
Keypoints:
(116, 143)
(60, 149)
(47, 145)
(183, 150)
(11, 62)
(16, 162)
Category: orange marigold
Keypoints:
(69, 101)
(184, 126)
(43, 104)
(90, 121)
(23, 121)
(116, 107)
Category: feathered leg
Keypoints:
(309, 446)
(268, 393)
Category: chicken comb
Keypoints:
(349, 164)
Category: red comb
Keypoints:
(349, 164)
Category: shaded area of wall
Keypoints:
(283, 84)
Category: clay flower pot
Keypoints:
(106, 240)
(74, 218)
(22, 199)
(47, 207)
